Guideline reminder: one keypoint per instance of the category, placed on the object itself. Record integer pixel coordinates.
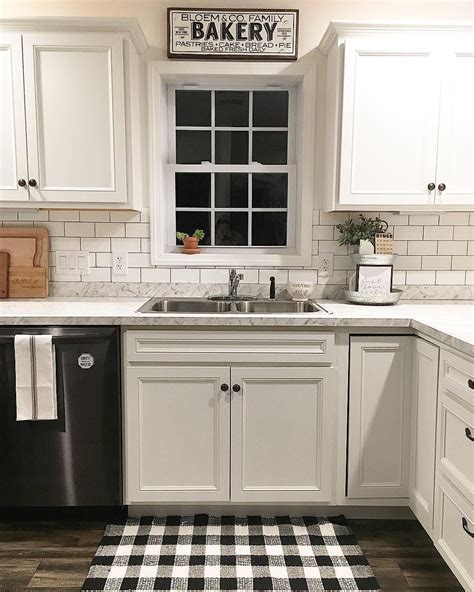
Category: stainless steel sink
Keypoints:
(185, 305)
(231, 298)
(277, 306)
(224, 305)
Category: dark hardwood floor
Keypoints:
(56, 555)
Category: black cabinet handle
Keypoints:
(224, 387)
(32, 183)
(441, 187)
(470, 383)
(466, 529)
(22, 182)
(431, 186)
(236, 388)
(469, 435)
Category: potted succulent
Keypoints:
(191, 243)
(351, 232)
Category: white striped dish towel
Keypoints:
(35, 368)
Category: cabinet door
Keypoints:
(13, 163)
(282, 434)
(379, 417)
(389, 124)
(456, 129)
(74, 93)
(177, 427)
(423, 437)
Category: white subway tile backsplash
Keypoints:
(394, 219)
(139, 260)
(469, 278)
(112, 229)
(421, 278)
(408, 262)
(130, 245)
(440, 233)
(95, 244)
(454, 219)
(141, 230)
(154, 274)
(422, 247)
(464, 233)
(133, 276)
(323, 233)
(145, 245)
(250, 276)
(303, 275)
(424, 219)
(8, 215)
(332, 247)
(41, 216)
(94, 216)
(399, 278)
(63, 216)
(125, 216)
(343, 262)
(65, 244)
(470, 248)
(450, 278)
(435, 262)
(97, 274)
(184, 276)
(332, 218)
(400, 247)
(452, 247)
(465, 262)
(339, 278)
(104, 259)
(82, 229)
(54, 228)
(408, 232)
(214, 276)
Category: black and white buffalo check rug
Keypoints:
(230, 553)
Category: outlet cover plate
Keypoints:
(325, 264)
(72, 263)
(120, 263)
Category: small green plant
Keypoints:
(198, 233)
(362, 228)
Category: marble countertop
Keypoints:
(450, 323)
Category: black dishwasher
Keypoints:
(76, 459)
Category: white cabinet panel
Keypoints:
(456, 131)
(379, 417)
(389, 123)
(13, 162)
(282, 434)
(423, 438)
(177, 434)
(75, 112)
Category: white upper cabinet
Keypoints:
(456, 127)
(75, 117)
(69, 113)
(13, 162)
(399, 119)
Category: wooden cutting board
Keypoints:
(4, 263)
(28, 268)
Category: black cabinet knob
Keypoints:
(431, 186)
(236, 388)
(469, 435)
(22, 182)
(224, 387)
(32, 183)
(466, 529)
(441, 187)
(470, 383)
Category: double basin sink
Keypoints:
(222, 304)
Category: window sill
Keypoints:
(232, 259)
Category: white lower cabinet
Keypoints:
(282, 425)
(178, 433)
(423, 436)
(380, 386)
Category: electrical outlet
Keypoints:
(119, 263)
(326, 265)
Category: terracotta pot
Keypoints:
(191, 246)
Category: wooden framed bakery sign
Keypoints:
(239, 34)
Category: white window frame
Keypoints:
(163, 76)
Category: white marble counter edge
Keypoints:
(339, 318)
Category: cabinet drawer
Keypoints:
(457, 376)
(232, 347)
(456, 445)
(454, 533)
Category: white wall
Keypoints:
(314, 14)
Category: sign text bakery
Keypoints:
(239, 34)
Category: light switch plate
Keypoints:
(72, 263)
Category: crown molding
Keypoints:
(338, 28)
(80, 24)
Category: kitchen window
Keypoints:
(232, 170)
(232, 154)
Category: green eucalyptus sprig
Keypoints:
(353, 231)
